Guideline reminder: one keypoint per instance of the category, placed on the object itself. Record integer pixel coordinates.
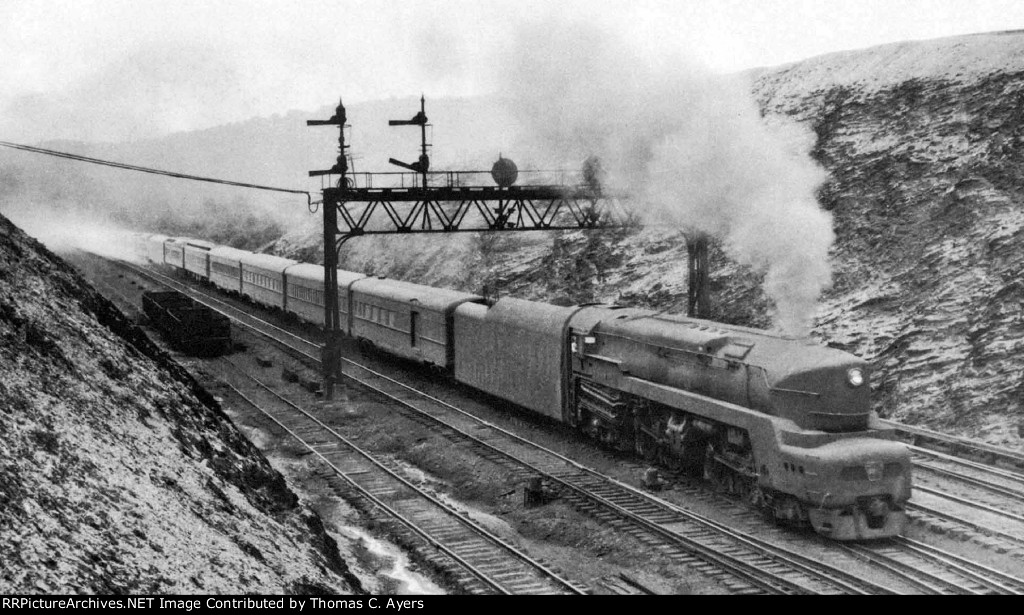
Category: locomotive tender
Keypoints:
(783, 423)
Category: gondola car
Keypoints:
(407, 320)
(263, 278)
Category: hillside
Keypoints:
(924, 144)
(118, 474)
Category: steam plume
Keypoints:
(692, 146)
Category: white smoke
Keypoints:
(691, 148)
(63, 227)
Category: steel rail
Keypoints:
(973, 481)
(1018, 541)
(455, 514)
(989, 453)
(997, 579)
(971, 503)
(983, 467)
(982, 577)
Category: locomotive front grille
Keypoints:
(872, 471)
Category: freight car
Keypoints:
(189, 326)
(782, 423)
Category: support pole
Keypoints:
(697, 248)
(331, 356)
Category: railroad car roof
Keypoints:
(226, 252)
(397, 290)
(200, 243)
(531, 315)
(315, 273)
(266, 261)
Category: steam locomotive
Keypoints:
(783, 423)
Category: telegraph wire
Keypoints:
(132, 167)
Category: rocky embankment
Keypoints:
(925, 144)
(117, 472)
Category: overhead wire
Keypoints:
(141, 169)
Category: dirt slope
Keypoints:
(117, 473)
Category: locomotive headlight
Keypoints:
(855, 376)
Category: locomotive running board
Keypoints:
(721, 411)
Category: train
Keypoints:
(785, 424)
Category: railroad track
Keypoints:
(1003, 489)
(936, 571)
(681, 534)
(1006, 540)
(992, 480)
(982, 500)
(927, 440)
(744, 564)
(492, 564)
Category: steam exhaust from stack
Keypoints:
(691, 147)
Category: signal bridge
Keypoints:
(419, 200)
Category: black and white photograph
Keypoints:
(309, 305)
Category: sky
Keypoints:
(115, 70)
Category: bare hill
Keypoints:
(924, 143)
(118, 474)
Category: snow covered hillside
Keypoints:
(118, 473)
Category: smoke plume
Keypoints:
(690, 147)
